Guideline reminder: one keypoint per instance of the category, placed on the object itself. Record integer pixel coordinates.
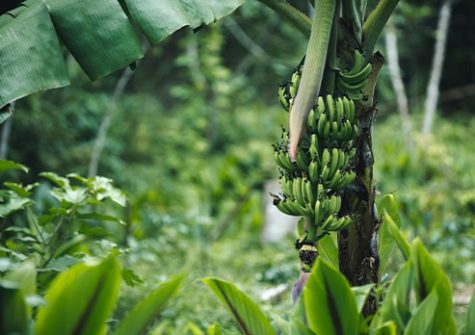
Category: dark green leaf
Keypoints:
(80, 300)
(13, 310)
(421, 323)
(99, 51)
(30, 55)
(22, 191)
(329, 303)
(158, 19)
(148, 309)
(131, 278)
(246, 312)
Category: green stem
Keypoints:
(290, 14)
(311, 230)
(312, 72)
(352, 17)
(332, 59)
(375, 23)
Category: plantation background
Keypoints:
(190, 144)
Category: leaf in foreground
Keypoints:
(248, 315)
(148, 309)
(80, 300)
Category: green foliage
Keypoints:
(80, 300)
(118, 45)
(247, 314)
(145, 311)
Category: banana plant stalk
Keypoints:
(312, 73)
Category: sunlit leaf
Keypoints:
(361, 294)
(470, 326)
(246, 313)
(148, 309)
(329, 302)
(395, 307)
(13, 203)
(6, 165)
(396, 234)
(388, 328)
(328, 250)
(421, 323)
(430, 277)
(214, 330)
(80, 300)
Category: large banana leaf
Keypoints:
(99, 34)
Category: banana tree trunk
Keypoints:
(358, 251)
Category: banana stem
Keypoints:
(290, 14)
(332, 60)
(312, 73)
(375, 23)
(352, 18)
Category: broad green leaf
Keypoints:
(386, 241)
(22, 191)
(388, 328)
(148, 309)
(30, 54)
(430, 277)
(361, 294)
(11, 203)
(194, 329)
(58, 180)
(389, 204)
(328, 250)
(470, 326)
(97, 33)
(329, 303)
(13, 310)
(247, 314)
(423, 318)
(396, 234)
(298, 328)
(395, 306)
(158, 19)
(9, 165)
(80, 300)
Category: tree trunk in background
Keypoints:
(106, 122)
(6, 131)
(357, 245)
(432, 95)
(398, 84)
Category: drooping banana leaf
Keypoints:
(30, 55)
(101, 36)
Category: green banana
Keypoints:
(312, 120)
(330, 107)
(313, 171)
(339, 109)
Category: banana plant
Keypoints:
(418, 300)
(325, 156)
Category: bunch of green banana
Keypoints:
(312, 183)
(351, 82)
(333, 119)
(288, 89)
